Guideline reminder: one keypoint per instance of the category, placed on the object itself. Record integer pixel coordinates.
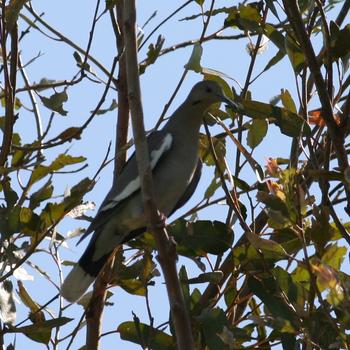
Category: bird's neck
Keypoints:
(188, 118)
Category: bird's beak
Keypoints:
(229, 102)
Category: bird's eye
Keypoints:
(208, 89)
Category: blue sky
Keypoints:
(73, 19)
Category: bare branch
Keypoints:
(165, 246)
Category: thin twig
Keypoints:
(336, 133)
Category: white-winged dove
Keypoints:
(176, 171)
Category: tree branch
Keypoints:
(10, 86)
(165, 246)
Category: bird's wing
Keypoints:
(128, 182)
(190, 188)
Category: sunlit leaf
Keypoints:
(152, 54)
(295, 54)
(25, 215)
(334, 256)
(36, 315)
(287, 101)
(61, 161)
(256, 132)
(156, 339)
(212, 277)
(112, 107)
(274, 60)
(41, 331)
(55, 102)
(70, 134)
(291, 124)
(265, 244)
(194, 63)
(41, 195)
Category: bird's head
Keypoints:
(207, 92)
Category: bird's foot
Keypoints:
(162, 221)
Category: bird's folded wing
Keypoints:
(128, 182)
(190, 188)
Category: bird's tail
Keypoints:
(76, 284)
(92, 261)
(85, 271)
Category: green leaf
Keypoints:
(334, 256)
(11, 196)
(76, 193)
(289, 341)
(152, 54)
(112, 107)
(41, 331)
(206, 154)
(25, 215)
(268, 292)
(287, 284)
(320, 231)
(46, 83)
(212, 322)
(135, 278)
(241, 184)
(291, 124)
(142, 333)
(275, 36)
(13, 220)
(42, 194)
(28, 300)
(194, 62)
(265, 244)
(52, 213)
(340, 41)
(183, 277)
(256, 132)
(246, 17)
(17, 158)
(274, 60)
(287, 101)
(212, 277)
(16, 139)
(250, 13)
(214, 185)
(60, 162)
(272, 201)
(201, 237)
(55, 102)
(133, 286)
(322, 330)
(63, 160)
(295, 54)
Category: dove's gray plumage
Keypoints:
(176, 171)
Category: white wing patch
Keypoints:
(157, 153)
(134, 185)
